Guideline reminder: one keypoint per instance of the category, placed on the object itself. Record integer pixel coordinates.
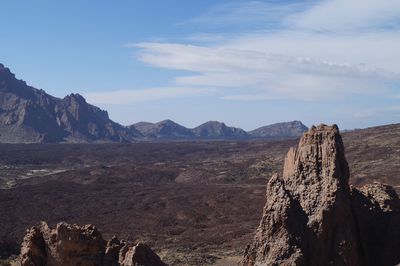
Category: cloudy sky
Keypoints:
(247, 63)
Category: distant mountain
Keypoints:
(218, 130)
(283, 130)
(31, 115)
(166, 129)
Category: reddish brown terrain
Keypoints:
(192, 202)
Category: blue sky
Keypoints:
(247, 63)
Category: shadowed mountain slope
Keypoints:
(31, 115)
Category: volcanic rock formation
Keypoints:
(313, 217)
(81, 245)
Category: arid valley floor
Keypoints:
(195, 203)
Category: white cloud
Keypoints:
(123, 97)
(348, 15)
(244, 56)
(312, 50)
(372, 49)
(276, 75)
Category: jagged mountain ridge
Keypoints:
(30, 115)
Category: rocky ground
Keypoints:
(193, 202)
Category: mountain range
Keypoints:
(168, 129)
(30, 115)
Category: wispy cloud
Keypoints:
(204, 37)
(276, 75)
(350, 16)
(309, 51)
(123, 97)
(246, 14)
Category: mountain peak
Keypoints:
(218, 130)
(32, 115)
(167, 122)
(165, 129)
(214, 123)
(76, 97)
(291, 129)
(5, 71)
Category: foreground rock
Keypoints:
(81, 245)
(312, 217)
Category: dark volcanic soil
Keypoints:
(193, 202)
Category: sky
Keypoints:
(246, 63)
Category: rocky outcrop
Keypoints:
(313, 217)
(68, 244)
